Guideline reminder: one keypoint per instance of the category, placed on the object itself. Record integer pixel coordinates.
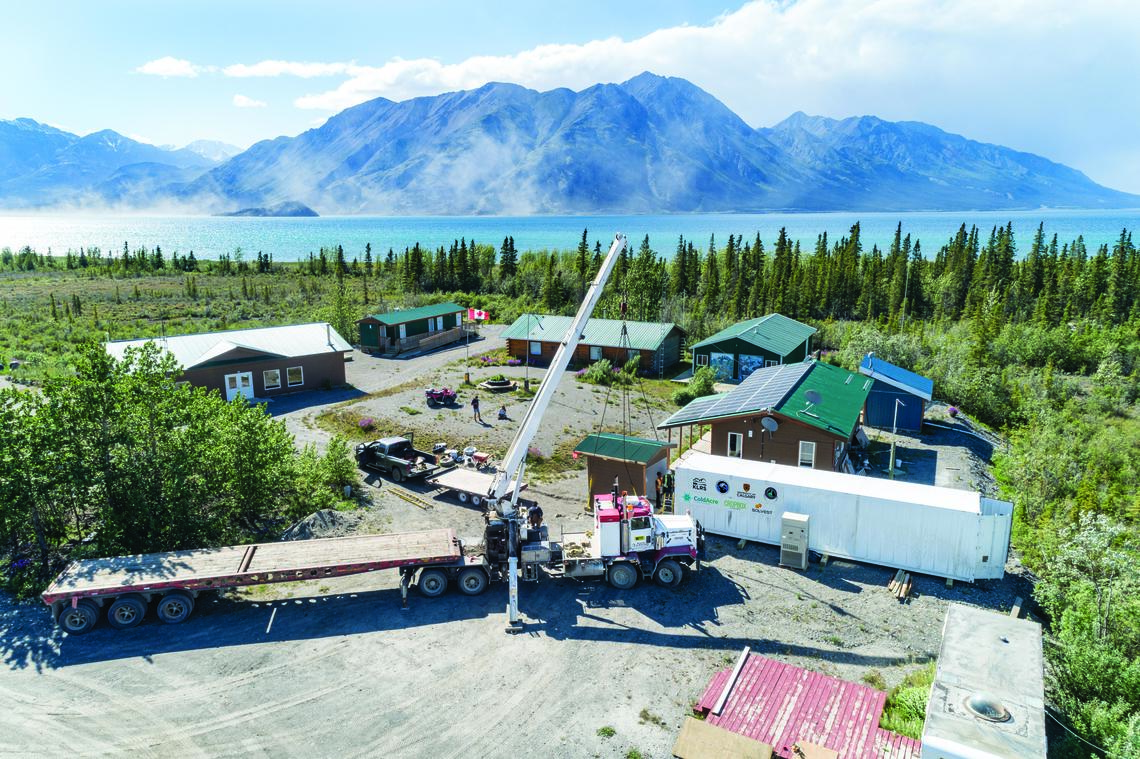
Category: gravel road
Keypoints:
(335, 668)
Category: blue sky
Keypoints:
(1046, 76)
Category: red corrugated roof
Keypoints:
(780, 704)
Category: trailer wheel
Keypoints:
(79, 619)
(669, 574)
(432, 583)
(125, 612)
(622, 575)
(463, 497)
(175, 607)
(476, 500)
(472, 581)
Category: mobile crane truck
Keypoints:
(628, 542)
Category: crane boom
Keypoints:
(514, 463)
(515, 460)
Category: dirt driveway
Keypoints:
(335, 668)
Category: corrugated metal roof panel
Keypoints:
(647, 336)
(285, 342)
(780, 704)
(774, 332)
(609, 445)
(896, 376)
(842, 397)
(413, 314)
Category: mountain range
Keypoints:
(649, 145)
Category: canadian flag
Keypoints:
(475, 315)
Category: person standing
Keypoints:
(475, 409)
(669, 484)
(660, 485)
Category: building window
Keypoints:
(736, 444)
(595, 353)
(768, 363)
(807, 454)
(272, 378)
(535, 348)
(702, 359)
(295, 375)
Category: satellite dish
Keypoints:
(813, 397)
(769, 424)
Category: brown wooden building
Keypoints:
(634, 461)
(255, 363)
(802, 414)
(536, 338)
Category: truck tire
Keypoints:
(175, 607)
(80, 619)
(432, 583)
(476, 500)
(472, 581)
(669, 574)
(622, 575)
(126, 612)
(463, 497)
(397, 474)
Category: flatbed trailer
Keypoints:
(469, 485)
(126, 584)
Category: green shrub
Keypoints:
(699, 386)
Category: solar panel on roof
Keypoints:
(764, 388)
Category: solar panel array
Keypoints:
(764, 389)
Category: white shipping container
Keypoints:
(920, 528)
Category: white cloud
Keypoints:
(241, 101)
(170, 66)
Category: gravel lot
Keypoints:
(335, 668)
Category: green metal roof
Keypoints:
(783, 390)
(647, 336)
(609, 445)
(842, 397)
(774, 332)
(414, 314)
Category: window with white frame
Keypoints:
(271, 378)
(702, 359)
(595, 353)
(807, 453)
(535, 348)
(735, 444)
(769, 362)
(295, 375)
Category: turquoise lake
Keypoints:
(292, 239)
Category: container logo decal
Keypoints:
(706, 499)
(736, 505)
(746, 487)
(722, 487)
(699, 483)
(770, 493)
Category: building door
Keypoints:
(239, 384)
(403, 331)
(735, 444)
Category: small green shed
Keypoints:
(634, 461)
(407, 329)
(737, 351)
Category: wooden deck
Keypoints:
(254, 564)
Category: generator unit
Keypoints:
(794, 540)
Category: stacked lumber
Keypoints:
(900, 585)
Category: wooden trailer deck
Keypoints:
(232, 566)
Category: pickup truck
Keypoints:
(396, 457)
